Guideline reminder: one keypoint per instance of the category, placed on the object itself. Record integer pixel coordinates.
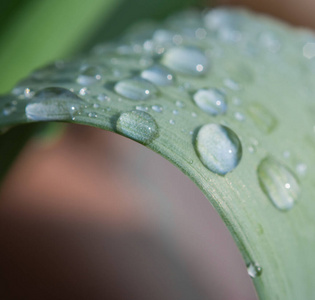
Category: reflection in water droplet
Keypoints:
(53, 104)
(254, 270)
(262, 117)
(278, 183)
(219, 148)
(159, 75)
(186, 60)
(138, 125)
(135, 88)
(211, 101)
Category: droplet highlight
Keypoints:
(158, 75)
(254, 270)
(218, 148)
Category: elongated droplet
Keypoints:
(254, 270)
(186, 60)
(138, 125)
(211, 101)
(262, 117)
(53, 104)
(219, 148)
(278, 183)
(159, 75)
(135, 88)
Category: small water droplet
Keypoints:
(175, 112)
(181, 104)
(135, 88)
(218, 148)
(103, 97)
(231, 84)
(138, 125)
(186, 60)
(159, 75)
(28, 93)
(254, 270)
(92, 114)
(9, 108)
(172, 122)
(239, 116)
(278, 183)
(301, 169)
(89, 75)
(142, 108)
(193, 114)
(157, 108)
(211, 101)
(262, 117)
(53, 104)
(84, 91)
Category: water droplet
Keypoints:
(135, 88)
(254, 270)
(278, 183)
(231, 84)
(181, 104)
(89, 75)
(262, 117)
(239, 116)
(9, 108)
(28, 93)
(103, 97)
(211, 101)
(219, 148)
(175, 112)
(186, 60)
(159, 75)
(92, 114)
(142, 108)
(138, 125)
(84, 91)
(172, 122)
(301, 169)
(157, 108)
(53, 104)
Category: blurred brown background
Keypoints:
(78, 219)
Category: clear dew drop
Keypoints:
(89, 75)
(158, 75)
(186, 60)
(254, 270)
(218, 148)
(278, 183)
(137, 125)
(211, 101)
(136, 88)
(53, 104)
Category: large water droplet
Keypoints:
(211, 101)
(135, 88)
(254, 270)
(186, 60)
(278, 183)
(53, 104)
(159, 75)
(138, 125)
(219, 148)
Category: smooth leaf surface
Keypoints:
(161, 83)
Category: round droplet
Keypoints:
(157, 108)
(159, 75)
(53, 104)
(89, 75)
(254, 270)
(135, 88)
(278, 183)
(186, 60)
(138, 125)
(211, 101)
(218, 148)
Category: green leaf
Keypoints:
(227, 97)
